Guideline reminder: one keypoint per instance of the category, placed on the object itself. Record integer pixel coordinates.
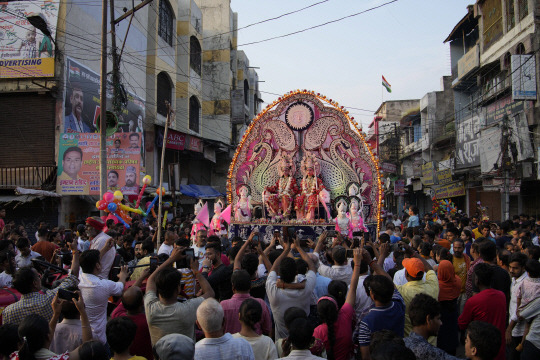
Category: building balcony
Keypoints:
(39, 177)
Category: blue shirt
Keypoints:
(225, 347)
(413, 221)
(391, 317)
(321, 286)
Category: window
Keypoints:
(255, 104)
(520, 49)
(507, 60)
(510, 15)
(164, 92)
(246, 92)
(523, 9)
(195, 54)
(166, 21)
(194, 113)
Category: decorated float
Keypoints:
(304, 162)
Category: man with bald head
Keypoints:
(132, 306)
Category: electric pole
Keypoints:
(103, 103)
(506, 165)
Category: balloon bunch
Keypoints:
(112, 204)
(435, 209)
(448, 206)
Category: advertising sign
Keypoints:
(450, 190)
(24, 50)
(399, 187)
(78, 163)
(467, 147)
(175, 140)
(523, 69)
(427, 173)
(496, 111)
(444, 176)
(388, 167)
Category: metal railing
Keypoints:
(31, 177)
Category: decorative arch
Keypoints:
(302, 122)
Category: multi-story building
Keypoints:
(384, 134)
(494, 54)
(179, 51)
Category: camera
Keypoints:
(350, 253)
(67, 295)
(291, 233)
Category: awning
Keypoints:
(200, 191)
(23, 195)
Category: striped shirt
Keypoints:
(391, 317)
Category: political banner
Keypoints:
(24, 50)
(82, 102)
(79, 163)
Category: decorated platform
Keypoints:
(302, 162)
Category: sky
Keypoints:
(345, 60)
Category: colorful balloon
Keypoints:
(118, 195)
(147, 180)
(112, 207)
(108, 197)
(121, 220)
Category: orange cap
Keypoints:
(413, 266)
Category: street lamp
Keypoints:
(39, 22)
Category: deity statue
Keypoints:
(356, 215)
(342, 221)
(217, 225)
(242, 209)
(279, 197)
(197, 224)
(308, 200)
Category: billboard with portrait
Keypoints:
(78, 163)
(24, 50)
(82, 102)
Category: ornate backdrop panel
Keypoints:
(303, 122)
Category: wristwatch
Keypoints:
(206, 267)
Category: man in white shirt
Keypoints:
(98, 241)
(168, 243)
(25, 256)
(96, 291)
(341, 270)
(200, 246)
(283, 299)
(82, 242)
(516, 327)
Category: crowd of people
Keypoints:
(422, 288)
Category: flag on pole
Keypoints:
(386, 84)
